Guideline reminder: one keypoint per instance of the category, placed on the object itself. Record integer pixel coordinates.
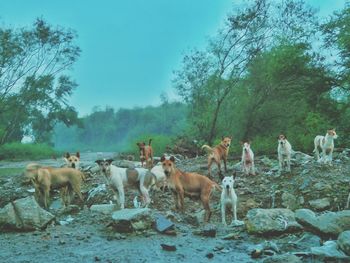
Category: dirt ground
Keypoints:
(87, 238)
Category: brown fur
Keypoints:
(188, 184)
(146, 153)
(68, 180)
(218, 153)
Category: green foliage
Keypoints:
(19, 151)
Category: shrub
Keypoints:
(20, 151)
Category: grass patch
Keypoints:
(10, 171)
(19, 151)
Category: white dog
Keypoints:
(247, 159)
(158, 171)
(284, 151)
(326, 143)
(138, 178)
(229, 198)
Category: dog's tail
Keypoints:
(207, 148)
(149, 142)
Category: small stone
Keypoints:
(209, 255)
(168, 247)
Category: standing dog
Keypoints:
(228, 199)
(72, 161)
(139, 178)
(284, 151)
(326, 143)
(247, 159)
(218, 153)
(44, 179)
(189, 184)
(146, 153)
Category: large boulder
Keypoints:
(24, 214)
(344, 242)
(330, 224)
(130, 220)
(104, 208)
(320, 204)
(329, 250)
(271, 221)
(290, 258)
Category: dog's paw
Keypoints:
(237, 223)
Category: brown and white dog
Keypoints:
(218, 153)
(188, 184)
(146, 153)
(326, 143)
(138, 178)
(284, 151)
(44, 179)
(72, 161)
(247, 159)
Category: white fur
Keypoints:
(228, 198)
(326, 143)
(158, 171)
(284, 151)
(248, 160)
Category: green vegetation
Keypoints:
(19, 151)
(10, 171)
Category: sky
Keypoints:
(130, 48)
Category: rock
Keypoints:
(268, 162)
(24, 214)
(195, 219)
(163, 224)
(208, 230)
(129, 220)
(168, 247)
(329, 250)
(289, 201)
(66, 221)
(209, 255)
(344, 242)
(330, 224)
(271, 221)
(124, 164)
(290, 258)
(104, 208)
(320, 204)
(231, 236)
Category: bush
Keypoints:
(19, 151)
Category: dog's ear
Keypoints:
(109, 161)
(172, 158)
(162, 159)
(98, 162)
(78, 154)
(67, 155)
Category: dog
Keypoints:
(146, 153)
(158, 171)
(229, 199)
(218, 153)
(326, 143)
(284, 151)
(72, 161)
(45, 178)
(139, 178)
(247, 159)
(188, 184)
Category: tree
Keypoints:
(34, 86)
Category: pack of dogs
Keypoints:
(165, 174)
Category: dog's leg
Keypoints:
(253, 168)
(218, 162)
(223, 213)
(121, 194)
(225, 166)
(280, 162)
(234, 210)
(145, 194)
(288, 163)
(47, 197)
(205, 201)
(181, 198)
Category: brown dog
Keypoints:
(72, 161)
(68, 180)
(218, 153)
(146, 153)
(189, 184)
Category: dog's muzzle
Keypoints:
(73, 165)
(167, 173)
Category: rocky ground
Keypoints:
(270, 234)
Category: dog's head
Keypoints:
(168, 165)
(332, 133)
(227, 183)
(245, 146)
(282, 139)
(226, 141)
(142, 146)
(105, 165)
(73, 161)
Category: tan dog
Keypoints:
(146, 153)
(218, 153)
(72, 161)
(189, 184)
(68, 180)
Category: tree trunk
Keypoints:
(213, 124)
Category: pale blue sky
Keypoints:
(130, 47)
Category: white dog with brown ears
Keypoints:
(284, 151)
(229, 199)
(326, 143)
(138, 178)
(247, 159)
